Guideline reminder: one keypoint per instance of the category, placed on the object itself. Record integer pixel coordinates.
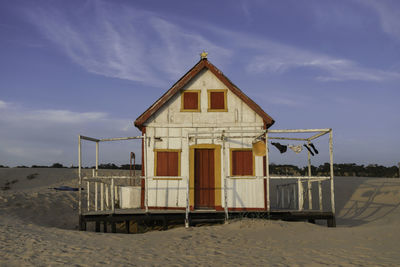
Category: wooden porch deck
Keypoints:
(195, 217)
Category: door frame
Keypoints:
(217, 173)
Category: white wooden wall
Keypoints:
(169, 121)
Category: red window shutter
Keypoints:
(167, 163)
(217, 100)
(190, 100)
(242, 163)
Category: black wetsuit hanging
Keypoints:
(313, 147)
(281, 148)
(309, 150)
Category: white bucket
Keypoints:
(129, 197)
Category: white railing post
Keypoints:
(112, 195)
(80, 175)
(101, 195)
(224, 177)
(96, 174)
(331, 171)
(187, 204)
(267, 170)
(309, 189)
(146, 200)
(107, 197)
(88, 195)
(187, 189)
(300, 193)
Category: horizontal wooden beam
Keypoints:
(288, 138)
(89, 138)
(120, 138)
(299, 130)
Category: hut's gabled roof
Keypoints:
(203, 63)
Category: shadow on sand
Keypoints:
(362, 200)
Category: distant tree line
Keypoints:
(345, 169)
(101, 166)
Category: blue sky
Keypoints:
(92, 67)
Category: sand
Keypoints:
(38, 227)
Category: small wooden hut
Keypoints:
(205, 157)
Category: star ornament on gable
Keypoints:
(203, 55)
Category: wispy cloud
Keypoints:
(274, 57)
(3, 104)
(46, 136)
(122, 42)
(389, 15)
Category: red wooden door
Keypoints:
(204, 179)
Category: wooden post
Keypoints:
(96, 174)
(146, 200)
(267, 171)
(112, 189)
(320, 195)
(102, 196)
(224, 177)
(116, 195)
(309, 160)
(81, 227)
(309, 191)
(331, 172)
(107, 197)
(187, 189)
(88, 195)
(283, 197)
(300, 193)
(95, 196)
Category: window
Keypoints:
(167, 162)
(217, 100)
(242, 162)
(191, 101)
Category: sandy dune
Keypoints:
(38, 227)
